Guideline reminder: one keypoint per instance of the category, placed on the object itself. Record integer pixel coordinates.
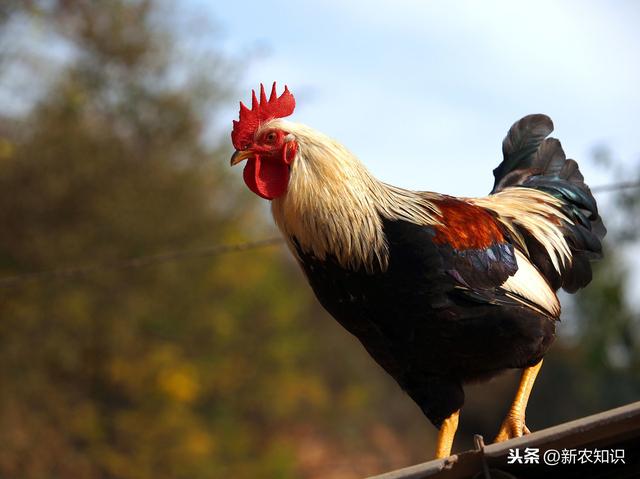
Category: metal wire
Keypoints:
(625, 185)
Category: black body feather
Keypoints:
(436, 318)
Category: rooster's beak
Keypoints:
(240, 155)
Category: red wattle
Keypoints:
(266, 178)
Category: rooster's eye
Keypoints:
(271, 137)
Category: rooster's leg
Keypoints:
(513, 425)
(446, 434)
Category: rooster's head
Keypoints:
(269, 150)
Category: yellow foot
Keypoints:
(446, 435)
(512, 427)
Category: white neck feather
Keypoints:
(334, 206)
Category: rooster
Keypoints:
(441, 291)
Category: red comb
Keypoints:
(261, 111)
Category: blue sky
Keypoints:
(423, 92)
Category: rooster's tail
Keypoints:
(532, 160)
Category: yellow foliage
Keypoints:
(180, 383)
(355, 397)
(7, 149)
(199, 443)
(230, 375)
(299, 393)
